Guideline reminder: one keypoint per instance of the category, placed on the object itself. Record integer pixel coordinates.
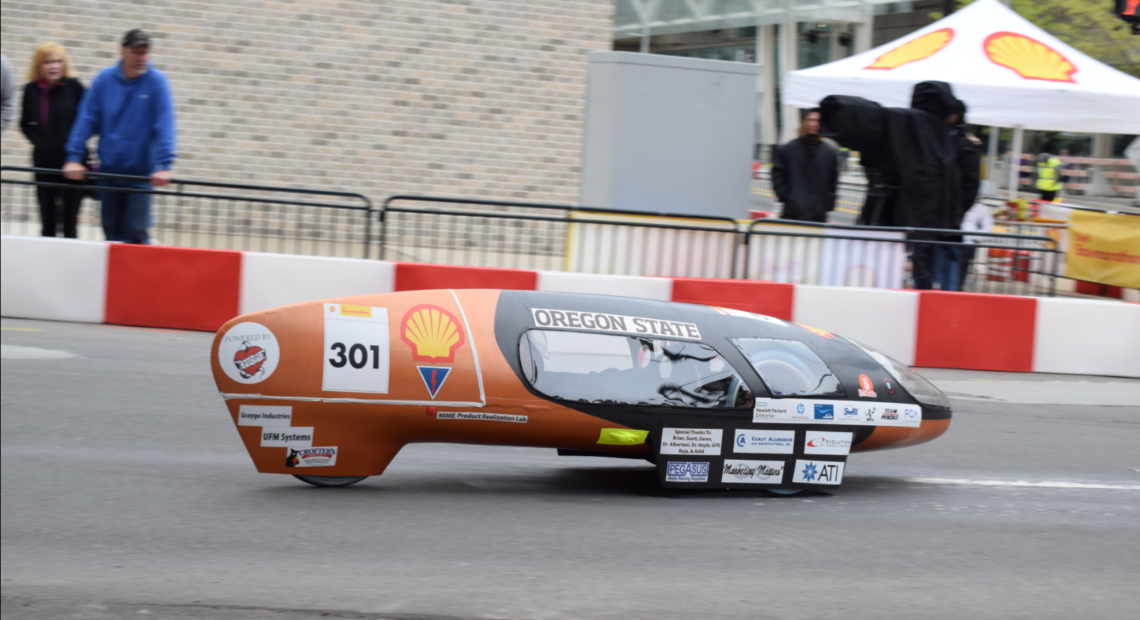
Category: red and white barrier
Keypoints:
(179, 288)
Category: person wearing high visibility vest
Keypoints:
(1048, 177)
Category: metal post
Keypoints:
(1015, 161)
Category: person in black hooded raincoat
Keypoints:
(910, 158)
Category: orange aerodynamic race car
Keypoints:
(716, 398)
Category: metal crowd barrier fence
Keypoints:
(204, 214)
(887, 257)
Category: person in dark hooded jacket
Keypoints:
(805, 173)
(911, 161)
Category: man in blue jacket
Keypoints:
(131, 108)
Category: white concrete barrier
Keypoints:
(54, 279)
(622, 286)
(886, 320)
(1087, 336)
(272, 280)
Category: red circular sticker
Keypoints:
(865, 383)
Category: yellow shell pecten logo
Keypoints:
(911, 51)
(433, 333)
(1030, 58)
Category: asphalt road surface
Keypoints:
(126, 493)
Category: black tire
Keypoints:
(330, 481)
(784, 492)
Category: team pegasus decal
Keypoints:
(1029, 58)
(912, 51)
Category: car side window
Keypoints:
(611, 369)
(789, 367)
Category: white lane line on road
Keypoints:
(16, 352)
(1026, 483)
(123, 456)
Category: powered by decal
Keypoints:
(753, 472)
(764, 442)
(481, 415)
(263, 415)
(827, 443)
(818, 472)
(603, 322)
(311, 457)
(287, 437)
(686, 471)
(692, 441)
(249, 353)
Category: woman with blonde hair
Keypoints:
(51, 103)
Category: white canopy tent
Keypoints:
(1009, 72)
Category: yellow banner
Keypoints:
(1104, 248)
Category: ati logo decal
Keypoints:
(919, 49)
(433, 377)
(866, 388)
(249, 359)
(433, 333)
(890, 387)
(820, 473)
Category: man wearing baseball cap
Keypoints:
(131, 108)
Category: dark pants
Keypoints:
(126, 215)
(1048, 195)
(54, 199)
(935, 263)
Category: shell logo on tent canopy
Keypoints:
(1030, 58)
(433, 333)
(921, 48)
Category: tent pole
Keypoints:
(990, 186)
(1015, 161)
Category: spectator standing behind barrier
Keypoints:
(7, 93)
(131, 108)
(1048, 176)
(805, 173)
(947, 261)
(52, 98)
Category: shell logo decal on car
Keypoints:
(912, 51)
(1030, 58)
(434, 334)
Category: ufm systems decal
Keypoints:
(248, 353)
(1028, 57)
(286, 437)
(686, 471)
(434, 334)
(311, 457)
(818, 472)
(356, 349)
(603, 322)
(753, 472)
(912, 51)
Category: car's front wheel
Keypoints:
(330, 481)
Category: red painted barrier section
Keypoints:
(768, 298)
(975, 331)
(175, 288)
(419, 277)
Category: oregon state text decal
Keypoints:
(434, 334)
(604, 322)
(912, 51)
(1029, 58)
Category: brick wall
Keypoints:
(474, 98)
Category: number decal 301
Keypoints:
(355, 355)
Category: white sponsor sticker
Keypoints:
(692, 441)
(686, 471)
(603, 322)
(818, 472)
(286, 437)
(311, 457)
(753, 472)
(356, 349)
(818, 442)
(857, 413)
(263, 415)
(248, 353)
(764, 442)
(481, 415)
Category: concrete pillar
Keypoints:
(766, 58)
(789, 61)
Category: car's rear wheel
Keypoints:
(330, 481)
(784, 492)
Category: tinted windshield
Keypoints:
(789, 367)
(607, 369)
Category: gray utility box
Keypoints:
(668, 134)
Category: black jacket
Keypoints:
(805, 179)
(49, 141)
(909, 150)
(969, 171)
